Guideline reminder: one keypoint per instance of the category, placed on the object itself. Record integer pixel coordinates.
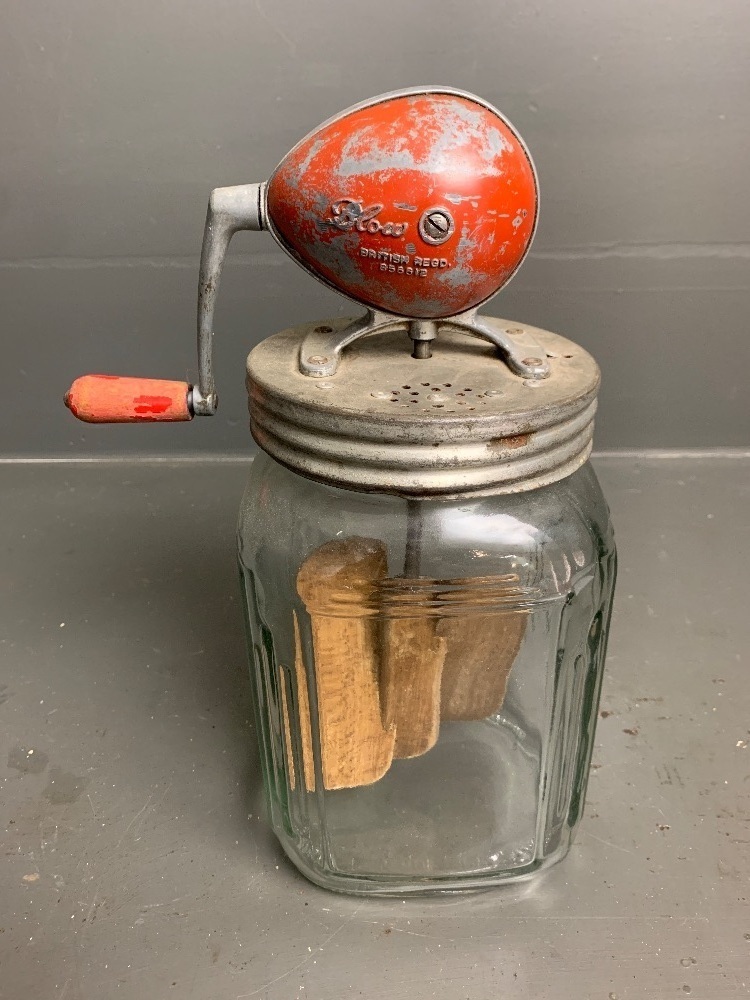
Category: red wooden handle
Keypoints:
(111, 399)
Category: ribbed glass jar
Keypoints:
(426, 675)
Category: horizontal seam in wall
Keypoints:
(647, 251)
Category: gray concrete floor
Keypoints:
(137, 863)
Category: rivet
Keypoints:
(532, 361)
(493, 392)
(317, 359)
(380, 395)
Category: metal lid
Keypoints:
(456, 423)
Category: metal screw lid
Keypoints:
(458, 423)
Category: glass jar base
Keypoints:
(364, 885)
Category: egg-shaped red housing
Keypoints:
(422, 204)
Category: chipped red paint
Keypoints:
(151, 404)
(350, 203)
(107, 399)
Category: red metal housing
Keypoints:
(422, 205)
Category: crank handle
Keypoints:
(230, 209)
(112, 399)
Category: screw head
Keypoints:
(317, 359)
(436, 226)
(532, 361)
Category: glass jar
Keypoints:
(426, 673)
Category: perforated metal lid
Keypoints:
(458, 422)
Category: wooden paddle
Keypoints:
(394, 656)
(338, 584)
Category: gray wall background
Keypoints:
(117, 118)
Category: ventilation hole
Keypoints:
(414, 392)
(468, 390)
(472, 407)
(567, 355)
(396, 392)
(438, 406)
(393, 400)
(425, 383)
(447, 384)
(413, 400)
(406, 387)
(551, 355)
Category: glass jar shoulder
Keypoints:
(543, 540)
(549, 539)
